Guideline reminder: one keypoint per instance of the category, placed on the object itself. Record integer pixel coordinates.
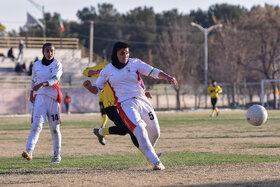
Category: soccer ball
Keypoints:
(256, 115)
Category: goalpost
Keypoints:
(266, 88)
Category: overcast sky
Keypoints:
(13, 12)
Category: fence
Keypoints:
(14, 94)
(37, 42)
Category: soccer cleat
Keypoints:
(159, 166)
(56, 159)
(26, 156)
(101, 138)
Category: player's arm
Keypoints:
(40, 85)
(33, 81)
(93, 72)
(32, 96)
(98, 86)
(53, 80)
(148, 70)
(220, 90)
(168, 78)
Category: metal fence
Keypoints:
(14, 94)
(37, 42)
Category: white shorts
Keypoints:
(139, 111)
(46, 109)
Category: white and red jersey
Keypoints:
(126, 82)
(51, 74)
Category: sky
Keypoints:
(13, 12)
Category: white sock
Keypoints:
(100, 132)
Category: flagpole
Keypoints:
(42, 9)
(44, 30)
(91, 34)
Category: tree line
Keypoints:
(247, 48)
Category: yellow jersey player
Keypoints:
(214, 91)
(108, 108)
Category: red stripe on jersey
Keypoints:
(59, 95)
(131, 126)
(140, 80)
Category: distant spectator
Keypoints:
(29, 73)
(11, 54)
(31, 66)
(3, 56)
(23, 67)
(18, 68)
(20, 48)
(67, 100)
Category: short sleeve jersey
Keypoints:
(214, 91)
(42, 73)
(126, 82)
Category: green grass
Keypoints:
(117, 162)
(251, 145)
(226, 126)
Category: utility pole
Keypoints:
(91, 41)
(206, 32)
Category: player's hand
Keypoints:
(172, 80)
(87, 84)
(39, 86)
(148, 95)
(92, 72)
(32, 97)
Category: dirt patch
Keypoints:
(216, 175)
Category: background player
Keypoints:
(123, 75)
(214, 91)
(46, 98)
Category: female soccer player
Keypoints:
(46, 98)
(123, 75)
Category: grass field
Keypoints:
(197, 151)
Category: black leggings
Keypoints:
(214, 102)
(120, 128)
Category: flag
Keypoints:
(31, 21)
(60, 24)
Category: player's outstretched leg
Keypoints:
(101, 138)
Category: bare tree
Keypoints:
(228, 50)
(174, 55)
(263, 26)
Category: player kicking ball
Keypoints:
(123, 76)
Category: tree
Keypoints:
(228, 50)
(2, 27)
(263, 41)
(175, 56)
(227, 47)
(140, 30)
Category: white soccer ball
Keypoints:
(256, 115)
